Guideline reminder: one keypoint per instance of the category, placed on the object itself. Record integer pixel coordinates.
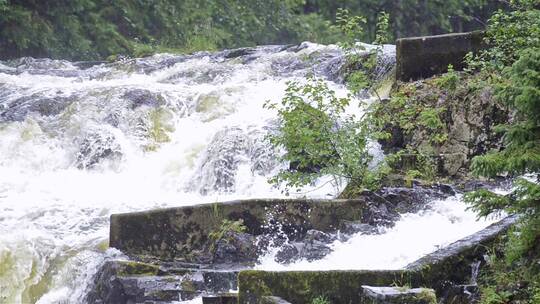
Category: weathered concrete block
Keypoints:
(398, 295)
(180, 233)
(422, 57)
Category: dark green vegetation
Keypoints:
(96, 29)
(514, 63)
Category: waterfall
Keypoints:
(80, 141)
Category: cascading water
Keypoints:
(79, 142)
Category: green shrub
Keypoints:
(449, 80)
(320, 300)
(318, 137)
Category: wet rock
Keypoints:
(123, 282)
(297, 251)
(349, 228)
(314, 246)
(288, 253)
(96, 147)
(315, 250)
(472, 185)
(229, 149)
(313, 235)
(398, 295)
(140, 97)
(461, 294)
(412, 200)
(379, 211)
(223, 156)
(18, 109)
(239, 52)
(236, 247)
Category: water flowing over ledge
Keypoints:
(79, 142)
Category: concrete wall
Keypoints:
(177, 233)
(423, 57)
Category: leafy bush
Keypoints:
(318, 137)
(449, 80)
(508, 33)
(320, 300)
(227, 226)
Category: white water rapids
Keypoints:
(78, 143)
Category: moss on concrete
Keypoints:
(131, 268)
(300, 287)
(422, 57)
(183, 233)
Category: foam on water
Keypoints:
(413, 236)
(77, 145)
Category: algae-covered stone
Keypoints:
(183, 233)
(398, 295)
(300, 287)
(122, 282)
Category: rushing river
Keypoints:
(80, 141)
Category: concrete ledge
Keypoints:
(455, 262)
(443, 270)
(301, 287)
(423, 57)
(178, 233)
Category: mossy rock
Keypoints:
(132, 268)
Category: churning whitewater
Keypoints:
(80, 141)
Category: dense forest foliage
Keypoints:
(96, 29)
